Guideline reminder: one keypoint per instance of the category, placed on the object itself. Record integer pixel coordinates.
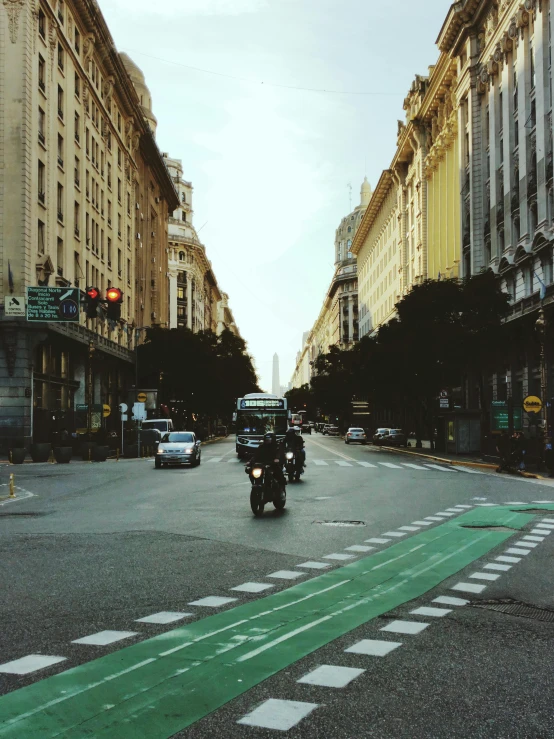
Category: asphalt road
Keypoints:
(93, 548)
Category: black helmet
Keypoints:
(269, 438)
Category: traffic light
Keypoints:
(114, 298)
(92, 301)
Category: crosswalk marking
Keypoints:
(413, 466)
(389, 464)
(215, 459)
(320, 463)
(460, 468)
(367, 464)
(441, 469)
(343, 464)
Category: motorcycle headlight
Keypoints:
(257, 472)
(290, 455)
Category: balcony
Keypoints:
(41, 137)
(60, 161)
(41, 197)
(60, 64)
(42, 85)
(60, 113)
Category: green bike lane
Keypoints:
(164, 684)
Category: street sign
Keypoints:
(106, 410)
(142, 397)
(532, 404)
(139, 412)
(14, 306)
(53, 304)
(444, 403)
(123, 407)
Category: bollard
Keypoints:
(11, 462)
(12, 487)
(52, 460)
(117, 456)
(90, 455)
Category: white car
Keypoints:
(355, 435)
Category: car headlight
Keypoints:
(290, 455)
(257, 472)
(161, 451)
(189, 451)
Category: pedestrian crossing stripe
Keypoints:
(406, 466)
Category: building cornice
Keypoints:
(380, 193)
(460, 14)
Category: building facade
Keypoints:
(195, 296)
(80, 179)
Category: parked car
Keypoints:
(379, 435)
(395, 437)
(355, 436)
(178, 447)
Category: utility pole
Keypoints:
(90, 388)
(540, 327)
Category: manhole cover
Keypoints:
(516, 608)
(340, 523)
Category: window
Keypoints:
(60, 202)
(77, 128)
(129, 236)
(182, 256)
(109, 212)
(77, 41)
(41, 237)
(41, 192)
(109, 252)
(183, 216)
(128, 271)
(109, 175)
(60, 150)
(60, 101)
(41, 122)
(41, 73)
(180, 293)
(528, 280)
(119, 225)
(87, 141)
(87, 228)
(532, 69)
(77, 218)
(119, 262)
(183, 197)
(77, 172)
(119, 122)
(119, 157)
(41, 23)
(129, 204)
(77, 85)
(59, 257)
(61, 11)
(119, 189)
(60, 56)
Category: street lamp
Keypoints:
(540, 328)
(137, 330)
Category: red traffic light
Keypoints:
(93, 292)
(114, 295)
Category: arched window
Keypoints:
(181, 256)
(349, 229)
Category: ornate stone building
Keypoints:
(84, 198)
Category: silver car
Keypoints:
(178, 447)
(355, 435)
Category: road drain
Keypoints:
(516, 608)
(340, 523)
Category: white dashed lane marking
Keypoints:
(339, 557)
(358, 548)
(433, 612)
(514, 550)
(422, 523)
(446, 600)
(103, 638)
(484, 576)
(315, 565)
(373, 647)
(287, 575)
(405, 627)
(408, 528)
(253, 587)
(468, 587)
(513, 560)
(527, 544)
(331, 676)
(396, 534)
(212, 601)
(164, 617)
(280, 715)
(377, 541)
(498, 568)
(31, 663)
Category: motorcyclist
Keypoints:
(270, 452)
(294, 442)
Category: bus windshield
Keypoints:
(261, 422)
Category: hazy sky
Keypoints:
(270, 165)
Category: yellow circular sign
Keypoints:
(532, 404)
(107, 410)
(141, 397)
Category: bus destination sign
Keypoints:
(262, 403)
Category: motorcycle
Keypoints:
(265, 489)
(293, 466)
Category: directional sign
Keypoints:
(53, 304)
(139, 412)
(14, 306)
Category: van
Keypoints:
(164, 425)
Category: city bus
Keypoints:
(257, 414)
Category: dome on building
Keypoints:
(365, 193)
(139, 83)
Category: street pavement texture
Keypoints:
(151, 603)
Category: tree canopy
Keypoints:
(203, 372)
